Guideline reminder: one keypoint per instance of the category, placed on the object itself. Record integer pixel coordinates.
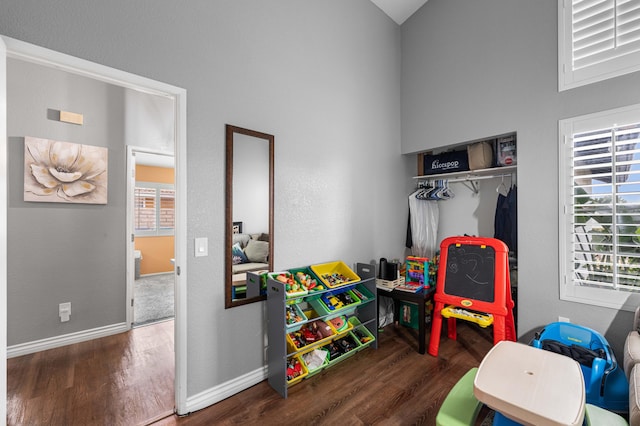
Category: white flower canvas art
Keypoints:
(64, 172)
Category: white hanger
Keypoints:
(502, 188)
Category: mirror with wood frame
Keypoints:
(249, 211)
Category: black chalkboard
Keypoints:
(470, 272)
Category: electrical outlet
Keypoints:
(64, 310)
(563, 319)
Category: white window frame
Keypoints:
(616, 62)
(158, 232)
(610, 298)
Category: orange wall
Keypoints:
(156, 251)
(155, 174)
(156, 254)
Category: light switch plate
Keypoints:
(202, 247)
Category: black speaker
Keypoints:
(382, 271)
(391, 271)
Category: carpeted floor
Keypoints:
(153, 299)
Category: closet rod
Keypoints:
(470, 179)
(473, 178)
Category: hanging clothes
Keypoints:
(506, 219)
(423, 220)
(513, 214)
(409, 242)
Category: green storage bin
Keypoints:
(318, 286)
(361, 333)
(313, 372)
(353, 341)
(321, 307)
(408, 315)
(294, 315)
(363, 293)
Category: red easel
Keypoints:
(501, 307)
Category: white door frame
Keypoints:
(131, 183)
(32, 53)
(3, 230)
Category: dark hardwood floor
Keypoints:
(393, 385)
(125, 379)
(128, 380)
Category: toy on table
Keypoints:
(433, 269)
(417, 270)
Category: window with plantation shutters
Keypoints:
(600, 208)
(166, 209)
(598, 39)
(154, 209)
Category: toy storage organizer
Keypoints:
(357, 324)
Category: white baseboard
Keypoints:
(65, 339)
(225, 390)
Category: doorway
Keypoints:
(24, 51)
(151, 205)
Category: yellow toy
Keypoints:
(483, 320)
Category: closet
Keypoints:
(470, 198)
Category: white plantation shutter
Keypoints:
(600, 208)
(154, 209)
(598, 39)
(167, 208)
(145, 209)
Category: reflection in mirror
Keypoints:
(249, 210)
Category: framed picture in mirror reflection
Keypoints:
(237, 227)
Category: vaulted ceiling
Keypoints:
(399, 10)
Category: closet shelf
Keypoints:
(468, 175)
(471, 176)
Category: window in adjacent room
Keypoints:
(154, 212)
(597, 39)
(599, 247)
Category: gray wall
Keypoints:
(72, 252)
(322, 76)
(473, 69)
(64, 252)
